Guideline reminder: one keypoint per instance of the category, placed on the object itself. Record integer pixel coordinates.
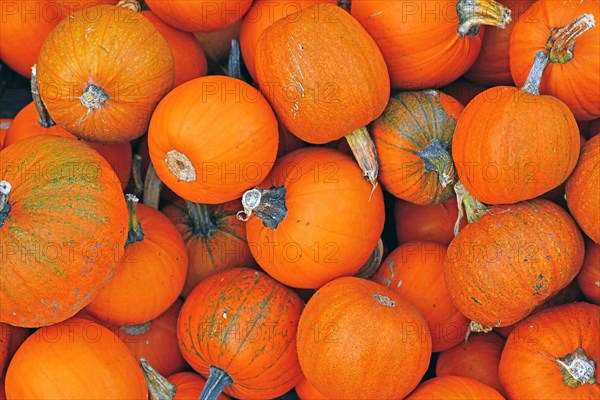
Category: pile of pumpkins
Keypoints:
(195, 203)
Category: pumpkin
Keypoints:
(415, 270)
(189, 59)
(463, 90)
(11, 338)
(354, 332)
(102, 77)
(288, 141)
(454, 387)
(151, 271)
(428, 45)
(203, 156)
(74, 359)
(306, 391)
(561, 29)
(62, 222)
(200, 15)
(553, 355)
(313, 219)
(492, 66)
(497, 276)
(217, 44)
(433, 223)
(4, 125)
(413, 137)
(514, 144)
(589, 276)
(215, 239)
(238, 329)
(581, 189)
(478, 360)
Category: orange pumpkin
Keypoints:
(561, 29)
(217, 44)
(553, 355)
(497, 276)
(354, 333)
(306, 391)
(463, 90)
(454, 387)
(11, 338)
(316, 218)
(212, 138)
(74, 359)
(581, 189)
(107, 94)
(238, 329)
(428, 45)
(4, 125)
(59, 249)
(589, 276)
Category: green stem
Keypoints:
(577, 369)
(532, 84)
(467, 204)
(158, 386)
(437, 158)
(5, 188)
(200, 217)
(152, 186)
(365, 153)
(474, 13)
(561, 42)
(135, 233)
(267, 204)
(44, 118)
(217, 381)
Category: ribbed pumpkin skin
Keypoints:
(576, 82)
(119, 51)
(510, 146)
(512, 259)
(227, 130)
(74, 359)
(455, 388)
(581, 189)
(321, 62)
(243, 322)
(589, 276)
(348, 339)
(68, 211)
(528, 368)
(190, 386)
(410, 122)
(333, 221)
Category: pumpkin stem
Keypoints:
(217, 381)
(267, 204)
(136, 184)
(180, 166)
(475, 327)
(577, 369)
(561, 42)
(135, 233)
(138, 329)
(474, 13)
(234, 65)
(158, 386)
(152, 186)
(345, 4)
(383, 300)
(44, 118)
(532, 84)
(5, 188)
(132, 5)
(93, 97)
(437, 158)
(373, 263)
(201, 222)
(467, 204)
(365, 153)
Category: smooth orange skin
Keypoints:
(577, 82)
(4, 125)
(188, 56)
(317, 63)
(581, 189)
(589, 276)
(410, 122)
(528, 368)
(26, 124)
(189, 386)
(479, 360)
(455, 388)
(347, 341)
(492, 66)
(261, 15)
(306, 391)
(11, 338)
(510, 146)
(119, 51)
(74, 359)
(225, 127)
(415, 270)
(243, 322)
(333, 221)
(419, 42)
(69, 234)
(151, 271)
(513, 258)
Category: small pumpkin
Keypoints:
(74, 359)
(413, 138)
(11, 338)
(62, 204)
(581, 189)
(454, 387)
(554, 355)
(589, 276)
(238, 329)
(354, 332)
(101, 78)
